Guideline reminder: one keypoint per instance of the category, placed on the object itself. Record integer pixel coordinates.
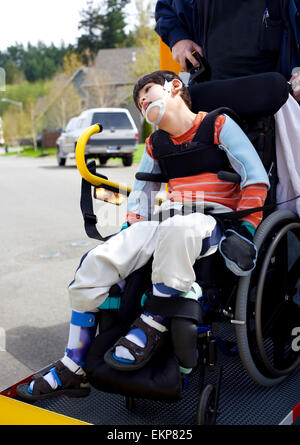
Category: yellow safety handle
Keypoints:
(81, 164)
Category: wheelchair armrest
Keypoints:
(229, 176)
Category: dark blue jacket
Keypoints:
(176, 20)
(290, 48)
(187, 19)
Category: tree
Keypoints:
(147, 60)
(11, 126)
(34, 62)
(23, 123)
(31, 122)
(13, 74)
(18, 120)
(62, 103)
(71, 63)
(104, 27)
(16, 54)
(89, 43)
(144, 27)
(38, 63)
(113, 32)
(145, 37)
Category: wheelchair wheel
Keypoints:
(207, 412)
(268, 302)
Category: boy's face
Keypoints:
(148, 94)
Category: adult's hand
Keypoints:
(183, 49)
(295, 81)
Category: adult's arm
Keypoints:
(177, 25)
(171, 23)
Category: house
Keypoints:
(109, 82)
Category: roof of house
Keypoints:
(116, 62)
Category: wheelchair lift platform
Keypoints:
(242, 402)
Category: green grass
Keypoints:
(138, 153)
(29, 152)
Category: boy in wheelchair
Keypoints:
(190, 152)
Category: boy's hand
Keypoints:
(238, 250)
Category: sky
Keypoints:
(50, 21)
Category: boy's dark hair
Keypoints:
(159, 77)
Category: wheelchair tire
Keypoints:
(207, 411)
(250, 336)
(61, 161)
(102, 160)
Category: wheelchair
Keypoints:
(262, 309)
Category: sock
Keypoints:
(79, 341)
(161, 290)
(138, 336)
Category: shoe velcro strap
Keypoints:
(137, 351)
(154, 340)
(41, 386)
(178, 307)
(68, 378)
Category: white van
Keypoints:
(118, 139)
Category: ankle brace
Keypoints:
(82, 332)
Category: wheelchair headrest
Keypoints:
(255, 95)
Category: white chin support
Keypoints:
(161, 104)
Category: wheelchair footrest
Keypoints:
(160, 379)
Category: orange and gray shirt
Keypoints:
(207, 187)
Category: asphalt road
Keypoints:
(42, 240)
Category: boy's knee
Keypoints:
(174, 229)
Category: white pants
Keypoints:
(175, 245)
